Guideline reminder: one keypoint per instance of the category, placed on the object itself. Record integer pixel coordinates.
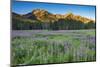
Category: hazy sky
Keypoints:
(25, 7)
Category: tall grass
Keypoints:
(54, 48)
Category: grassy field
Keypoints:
(43, 46)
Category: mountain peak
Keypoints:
(35, 11)
(38, 10)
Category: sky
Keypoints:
(22, 7)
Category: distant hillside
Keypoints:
(42, 19)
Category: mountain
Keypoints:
(43, 18)
(78, 18)
(41, 15)
(46, 16)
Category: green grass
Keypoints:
(54, 48)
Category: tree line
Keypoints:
(61, 24)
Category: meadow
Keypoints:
(46, 46)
